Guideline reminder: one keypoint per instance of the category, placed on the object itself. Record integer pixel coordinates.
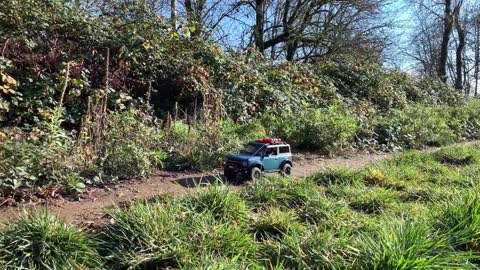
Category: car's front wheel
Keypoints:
(255, 174)
(286, 170)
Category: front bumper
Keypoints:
(236, 167)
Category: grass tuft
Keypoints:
(41, 241)
(313, 248)
(459, 218)
(342, 177)
(218, 201)
(274, 223)
(286, 193)
(145, 234)
(408, 244)
(458, 155)
(208, 236)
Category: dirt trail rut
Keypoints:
(89, 209)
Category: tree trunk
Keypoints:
(194, 16)
(477, 54)
(447, 31)
(173, 14)
(259, 24)
(291, 50)
(459, 53)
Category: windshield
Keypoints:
(253, 149)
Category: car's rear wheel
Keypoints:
(255, 174)
(286, 170)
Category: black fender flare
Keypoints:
(286, 162)
(258, 165)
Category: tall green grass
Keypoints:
(408, 244)
(41, 241)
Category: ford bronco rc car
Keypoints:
(262, 156)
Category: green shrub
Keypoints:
(260, 87)
(131, 145)
(315, 129)
(471, 129)
(414, 127)
(42, 241)
(437, 92)
(127, 161)
(219, 201)
(363, 81)
(28, 163)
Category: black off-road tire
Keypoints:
(255, 174)
(286, 170)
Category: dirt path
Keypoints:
(89, 209)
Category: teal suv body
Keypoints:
(263, 156)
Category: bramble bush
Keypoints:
(30, 162)
(416, 126)
(326, 130)
(132, 146)
(471, 117)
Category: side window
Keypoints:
(284, 150)
(271, 151)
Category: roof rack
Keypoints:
(270, 140)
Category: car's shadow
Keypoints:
(192, 182)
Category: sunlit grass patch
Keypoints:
(332, 176)
(281, 192)
(209, 236)
(370, 200)
(410, 212)
(409, 244)
(311, 248)
(317, 210)
(145, 234)
(274, 223)
(458, 155)
(389, 179)
(215, 262)
(219, 201)
(458, 216)
(424, 193)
